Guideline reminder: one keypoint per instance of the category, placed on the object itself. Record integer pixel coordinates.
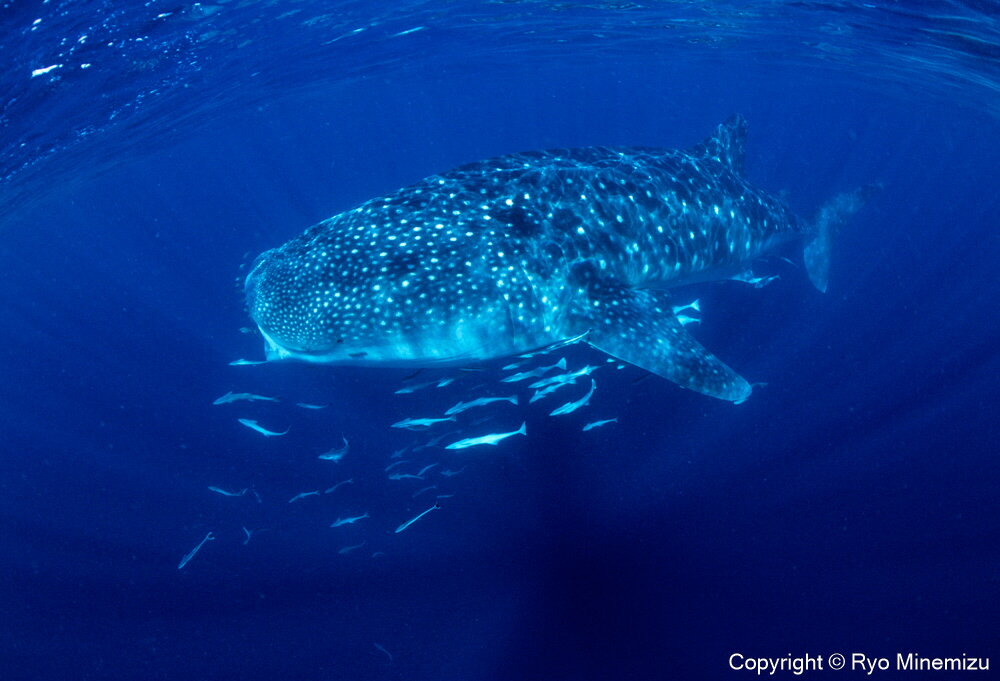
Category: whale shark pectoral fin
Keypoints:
(639, 327)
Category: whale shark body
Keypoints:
(515, 253)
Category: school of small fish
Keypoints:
(436, 476)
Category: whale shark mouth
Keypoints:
(274, 350)
(387, 355)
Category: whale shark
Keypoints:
(515, 253)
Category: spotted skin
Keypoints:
(513, 253)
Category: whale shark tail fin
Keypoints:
(823, 231)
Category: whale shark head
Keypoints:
(308, 308)
(345, 292)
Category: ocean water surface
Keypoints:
(149, 151)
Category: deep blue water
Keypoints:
(849, 506)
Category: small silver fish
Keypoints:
(447, 472)
(404, 476)
(336, 455)
(303, 495)
(757, 282)
(248, 533)
(248, 397)
(570, 407)
(246, 362)
(548, 390)
(561, 379)
(491, 439)
(419, 424)
(422, 490)
(190, 554)
(307, 405)
(426, 468)
(479, 402)
(226, 492)
(414, 387)
(344, 550)
(598, 424)
(532, 373)
(556, 346)
(331, 490)
(514, 365)
(253, 425)
(696, 306)
(380, 648)
(416, 518)
(350, 520)
(434, 440)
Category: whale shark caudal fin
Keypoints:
(821, 234)
(727, 144)
(639, 327)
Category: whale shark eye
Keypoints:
(340, 340)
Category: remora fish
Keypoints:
(307, 405)
(249, 397)
(416, 518)
(419, 424)
(226, 492)
(487, 439)
(330, 490)
(404, 476)
(532, 373)
(570, 407)
(350, 520)
(564, 378)
(253, 425)
(347, 549)
(512, 254)
(598, 424)
(440, 382)
(337, 453)
(479, 402)
(548, 390)
(191, 554)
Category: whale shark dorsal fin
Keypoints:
(727, 144)
(639, 327)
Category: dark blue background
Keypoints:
(850, 505)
